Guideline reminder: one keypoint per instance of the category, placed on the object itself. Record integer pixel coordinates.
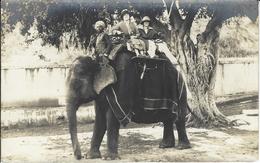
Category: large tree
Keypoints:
(198, 60)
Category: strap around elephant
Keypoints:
(120, 113)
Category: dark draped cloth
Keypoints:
(148, 91)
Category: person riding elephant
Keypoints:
(125, 26)
(148, 33)
(100, 44)
(128, 29)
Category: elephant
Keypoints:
(80, 90)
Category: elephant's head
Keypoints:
(80, 80)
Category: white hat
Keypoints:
(100, 23)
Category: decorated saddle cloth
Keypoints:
(146, 90)
(157, 86)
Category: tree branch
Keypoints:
(186, 25)
(171, 8)
(165, 5)
(167, 11)
(175, 17)
(216, 21)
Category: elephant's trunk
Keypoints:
(72, 118)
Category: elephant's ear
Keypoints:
(91, 65)
(85, 66)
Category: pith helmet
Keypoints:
(146, 19)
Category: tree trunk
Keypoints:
(201, 81)
(199, 65)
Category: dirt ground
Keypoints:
(139, 142)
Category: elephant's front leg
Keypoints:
(168, 135)
(112, 136)
(98, 133)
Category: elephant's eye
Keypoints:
(77, 69)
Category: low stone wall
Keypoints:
(237, 75)
(45, 86)
(42, 116)
(41, 92)
(35, 86)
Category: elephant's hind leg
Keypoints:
(184, 142)
(168, 135)
(98, 133)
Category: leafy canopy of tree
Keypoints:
(55, 17)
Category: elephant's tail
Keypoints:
(182, 92)
(188, 107)
(192, 113)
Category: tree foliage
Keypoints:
(54, 17)
(4, 25)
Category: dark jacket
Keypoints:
(150, 35)
(101, 43)
(123, 28)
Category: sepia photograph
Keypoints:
(97, 81)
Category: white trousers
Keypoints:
(162, 47)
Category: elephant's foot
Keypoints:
(93, 154)
(77, 154)
(183, 145)
(167, 143)
(78, 157)
(111, 156)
